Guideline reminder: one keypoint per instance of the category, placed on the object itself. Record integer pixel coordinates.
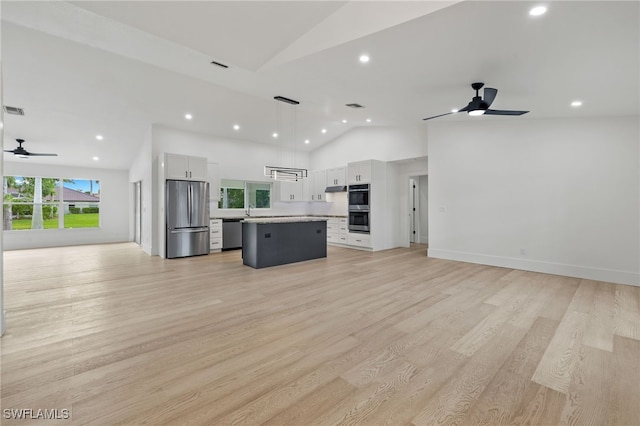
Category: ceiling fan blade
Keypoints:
(436, 116)
(8, 150)
(489, 95)
(42, 155)
(503, 112)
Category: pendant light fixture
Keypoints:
(289, 173)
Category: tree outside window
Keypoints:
(36, 203)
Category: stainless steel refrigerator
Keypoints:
(187, 210)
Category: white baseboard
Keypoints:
(597, 274)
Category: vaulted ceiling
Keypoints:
(79, 69)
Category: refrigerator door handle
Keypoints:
(189, 201)
(187, 230)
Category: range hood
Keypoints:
(339, 188)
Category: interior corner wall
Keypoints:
(142, 170)
(382, 143)
(114, 208)
(559, 196)
(423, 202)
(3, 324)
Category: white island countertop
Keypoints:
(284, 219)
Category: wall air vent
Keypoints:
(13, 110)
(219, 64)
(355, 106)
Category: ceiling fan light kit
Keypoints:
(479, 106)
(20, 152)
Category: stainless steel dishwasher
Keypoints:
(231, 233)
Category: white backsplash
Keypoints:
(336, 205)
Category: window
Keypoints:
(259, 195)
(237, 194)
(50, 203)
(231, 194)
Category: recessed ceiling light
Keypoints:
(538, 10)
(344, 121)
(96, 158)
(368, 120)
(364, 58)
(306, 141)
(99, 137)
(275, 135)
(324, 130)
(236, 127)
(576, 103)
(188, 116)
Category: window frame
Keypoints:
(245, 189)
(59, 203)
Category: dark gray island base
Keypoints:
(280, 242)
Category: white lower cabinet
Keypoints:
(343, 230)
(359, 240)
(215, 235)
(337, 231)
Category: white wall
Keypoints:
(114, 208)
(372, 143)
(566, 192)
(423, 202)
(2, 313)
(141, 170)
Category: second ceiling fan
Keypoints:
(480, 106)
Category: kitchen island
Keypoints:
(278, 241)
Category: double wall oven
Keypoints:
(359, 208)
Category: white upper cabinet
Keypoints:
(290, 191)
(336, 176)
(359, 172)
(184, 167)
(317, 185)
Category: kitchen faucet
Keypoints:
(248, 211)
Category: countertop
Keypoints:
(283, 219)
(320, 217)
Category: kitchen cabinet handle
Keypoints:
(186, 174)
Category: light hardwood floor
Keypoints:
(118, 337)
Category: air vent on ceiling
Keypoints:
(219, 64)
(13, 110)
(355, 106)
